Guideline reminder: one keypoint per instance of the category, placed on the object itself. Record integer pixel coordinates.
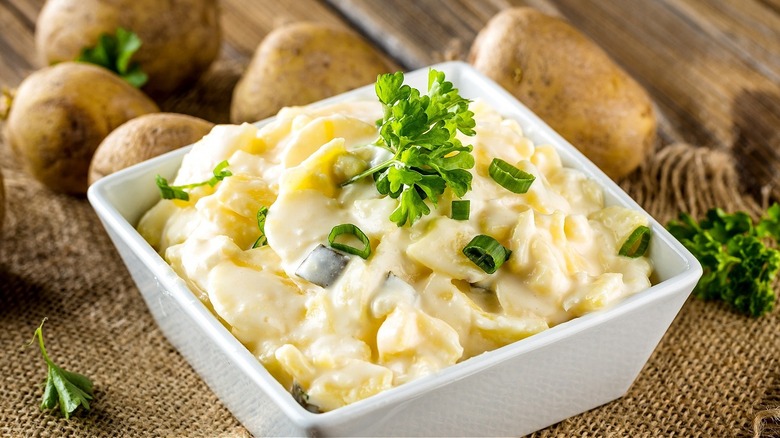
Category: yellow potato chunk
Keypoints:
(415, 344)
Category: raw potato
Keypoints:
(179, 38)
(59, 116)
(143, 138)
(302, 63)
(571, 83)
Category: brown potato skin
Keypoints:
(302, 63)
(571, 83)
(143, 138)
(179, 38)
(59, 116)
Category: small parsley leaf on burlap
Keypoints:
(63, 388)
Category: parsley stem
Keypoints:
(39, 334)
(168, 191)
(371, 171)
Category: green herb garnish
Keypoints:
(769, 225)
(114, 52)
(262, 213)
(178, 192)
(353, 230)
(486, 253)
(461, 210)
(63, 388)
(509, 176)
(637, 242)
(738, 268)
(420, 131)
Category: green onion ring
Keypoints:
(637, 242)
(461, 210)
(485, 252)
(509, 176)
(338, 230)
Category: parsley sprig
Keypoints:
(168, 191)
(738, 268)
(114, 53)
(420, 131)
(64, 388)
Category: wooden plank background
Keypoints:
(712, 66)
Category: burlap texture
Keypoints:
(715, 373)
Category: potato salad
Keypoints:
(338, 301)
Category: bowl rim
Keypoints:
(99, 195)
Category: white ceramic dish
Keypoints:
(514, 390)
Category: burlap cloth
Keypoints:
(715, 373)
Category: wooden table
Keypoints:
(711, 66)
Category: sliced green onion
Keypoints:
(461, 210)
(509, 176)
(338, 230)
(637, 243)
(486, 253)
(261, 215)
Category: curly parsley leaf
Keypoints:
(769, 226)
(168, 191)
(63, 388)
(420, 131)
(739, 268)
(114, 52)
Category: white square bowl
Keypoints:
(514, 390)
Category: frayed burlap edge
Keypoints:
(682, 177)
(685, 178)
(762, 420)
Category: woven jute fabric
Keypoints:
(715, 374)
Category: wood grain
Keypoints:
(712, 67)
(17, 45)
(716, 90)
(419, 33)
(245, 24)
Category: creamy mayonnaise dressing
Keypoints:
(417, 304)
